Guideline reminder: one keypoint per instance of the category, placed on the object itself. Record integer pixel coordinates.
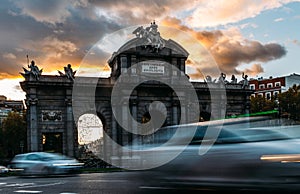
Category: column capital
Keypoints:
(31, 101)
(68, 102)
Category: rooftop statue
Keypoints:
(69, 73)
(34, 70)
(208, 79)
(233, 79)
(150, 36)
(222, 78)
(245, 81)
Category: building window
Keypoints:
(269, 85)
(133, 70)
(260, 94)
(275, 94)
(252, 86)
(277, 84)
(268, 95)
(261, 86)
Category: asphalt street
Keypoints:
(100, 183)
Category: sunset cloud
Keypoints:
(222, 12)
(230, 49)
(55, 33)
(9, 56)
(254, 70)
(77, 25)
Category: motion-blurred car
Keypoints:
(225, 155)
(43, 163)
(3, 170)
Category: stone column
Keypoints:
(136, 140)
(69, 128)
(124, 64)
(125, 122)
(33, 133)
(114, 129)
(174, 110)
(183, 113)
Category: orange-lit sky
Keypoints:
(259, 37)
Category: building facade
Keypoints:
(7, 106)
(271, 87)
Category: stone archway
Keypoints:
(90, 134)
(90, 128)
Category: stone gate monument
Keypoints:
(51, 123)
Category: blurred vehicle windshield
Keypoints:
(251, 135)
(220, 134)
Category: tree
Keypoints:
(289, 102)
(13, 134)
(261, 104)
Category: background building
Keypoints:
(6, 106)
(271, 87)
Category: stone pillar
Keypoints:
(182, 67)
(174, 111)
(223, 106)
(114, 129)
(133, 62)
(125, 123)
(136, 140)
(69, 128)
(32, 132)
(124, 64)
(247, 103)
(183, 113)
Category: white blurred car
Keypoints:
(3, 170)
(43, 163)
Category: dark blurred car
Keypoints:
(229, 155)
(43, 163)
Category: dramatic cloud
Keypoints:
(136, 12)
(52, 41)
(230, 49)
(222, 12)
(9, 56)
(192, 13)
(57, 32)
(50, 11)
(75, 26)
(254, 70)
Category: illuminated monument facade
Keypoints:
(52, 125)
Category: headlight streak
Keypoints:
(67, 164)
(283, 158)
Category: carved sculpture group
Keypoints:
(150, 36)
(36, 72)
(70, 74)
(222, 79)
